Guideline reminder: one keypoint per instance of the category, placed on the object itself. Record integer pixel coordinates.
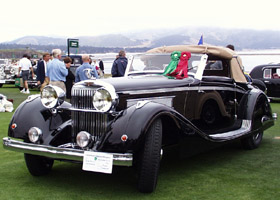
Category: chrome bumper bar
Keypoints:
(120, 159)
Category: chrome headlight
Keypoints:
(52, 96)
(102, 100)
(83, 139)
(34, 134)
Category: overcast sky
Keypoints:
(70, 18)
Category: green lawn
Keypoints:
(225, 173)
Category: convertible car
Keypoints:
(133, 120)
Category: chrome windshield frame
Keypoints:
(131, 58)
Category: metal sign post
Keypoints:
(72, 43)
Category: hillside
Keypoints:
(240, 38)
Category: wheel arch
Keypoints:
(256, 109)
(212, 97)
(137, 122)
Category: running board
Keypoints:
(245, 128)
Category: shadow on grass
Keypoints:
(72, 178)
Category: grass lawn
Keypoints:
(225, 173)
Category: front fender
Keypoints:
(134, 122)
(31, 113)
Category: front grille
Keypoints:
(84, 119)
(82, 98)
(93, 123)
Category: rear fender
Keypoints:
(256, 108)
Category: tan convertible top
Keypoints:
(223, 52)
(219, 51)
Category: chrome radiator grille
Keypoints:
(82, 98)
(83, 119)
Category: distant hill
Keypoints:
(240, 38)
(171, 40)
(38, 40)
(114, 40)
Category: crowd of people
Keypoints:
(51, 70)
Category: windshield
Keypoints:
(156, 63)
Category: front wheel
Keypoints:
(253, 141)
(149, 159)
(38, 165)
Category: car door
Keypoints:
(217, 106)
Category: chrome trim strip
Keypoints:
(245, 128)
(87, 110)
(180, 89)
(120, 159)
(274, 98)
(165, 100)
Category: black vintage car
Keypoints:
(269, 74)
(133, 120)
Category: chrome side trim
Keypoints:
(245, 128)
(274, 98)
(166, 100)
(180, 89)
(119, 159)
(90, 111)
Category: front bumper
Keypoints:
(120, 159)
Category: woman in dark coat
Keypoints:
(70, 78)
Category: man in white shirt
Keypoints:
(24, 66)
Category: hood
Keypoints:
(148, 82)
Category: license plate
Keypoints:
(98, 162)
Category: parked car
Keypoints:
(2, 76)
(3, 64)
(9, 74)
(133, 120)
(76, 62)
(269, 75)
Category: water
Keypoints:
(253, 59)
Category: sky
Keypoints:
(19, 18)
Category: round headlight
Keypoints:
(34, 134)
(52, 96)
(102, 100)
(83, 138)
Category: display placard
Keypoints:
(98, 162)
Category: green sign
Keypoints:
(73, 44)
(34, 56)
